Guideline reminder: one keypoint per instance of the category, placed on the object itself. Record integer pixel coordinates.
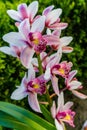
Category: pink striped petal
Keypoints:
(26, 56)
(71, 75)
(53, 16)
(67, 49)
(14, 15)
(47, 10)
(38, 24)
(33, 102)
(58, 26)
(79, 95)
(22, 9)
(54, 80)
(24, 28)
(32, 10)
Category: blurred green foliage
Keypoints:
(74, 13)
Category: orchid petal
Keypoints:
(58, 125)
(26, 56)
(8, 50)
(67, 106)
(48, 9)
(14, 15)
(54, 80)
(24, 28)
(59, 26)
(74, 85)
(67, 49)
(33, 102)
(53, 16)
(22, 9)
(65, 40)
(48, 31)
(38, 24)
(47, 74)
(79, 95)
(31, 73)
(19, 93)
(32, 10)
(53, 110)
(60, 101)
(14, 38)
(57, 33)
(71, 75)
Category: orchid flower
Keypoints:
(62, 43)
(52, 18)
(73, 85)
(29, 39)
(62, 113)
(84, 127)
(30, 87)
(23, 12)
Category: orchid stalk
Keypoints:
(36, 35)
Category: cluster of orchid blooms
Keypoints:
(39, 47)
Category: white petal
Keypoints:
(47, 74)
(33, 102)
(19, 93)
(53, 110)
(79, 95)
(53, 16)
(26, 56)
(58, 125)
(14, 15)
(32, 9)
(74, 85)
(54, 80)
(65, 40)
(24, 28)
(67, 106)
(31, 73)
(60, 101)
(38, 24)
(8, 50)
(14, 38)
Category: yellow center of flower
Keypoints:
(67, 117)
(61, 71)
(36, 41)
(36, 86)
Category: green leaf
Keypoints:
(26, 116)
(10, 122)
(0, 128)
(46, 114)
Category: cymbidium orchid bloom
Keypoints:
(73, 85)
(52, 18)
(30, 87)
(23, 12)
(62, 43)
(62, 113)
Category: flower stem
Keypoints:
(48, 97)
(40, 64)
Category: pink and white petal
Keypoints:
(59, 26)
(22, 9)
(47, 10)
(48, 31)
(53, 110)
(60, 102)
(19, 93)
(66, 40)
(74, 85)
(67, 106)
(57, 33)
(79, 95)
(24, 28)
(8, 50)
(33, 102)
(54, 80)
(14, 15)
(71, 75)
(53, 16)
(32, 10)
(47, 74)
(14, 38)
(31, 73)
(67, 49)
(58, 125)
(38, 25)
(26, 56)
